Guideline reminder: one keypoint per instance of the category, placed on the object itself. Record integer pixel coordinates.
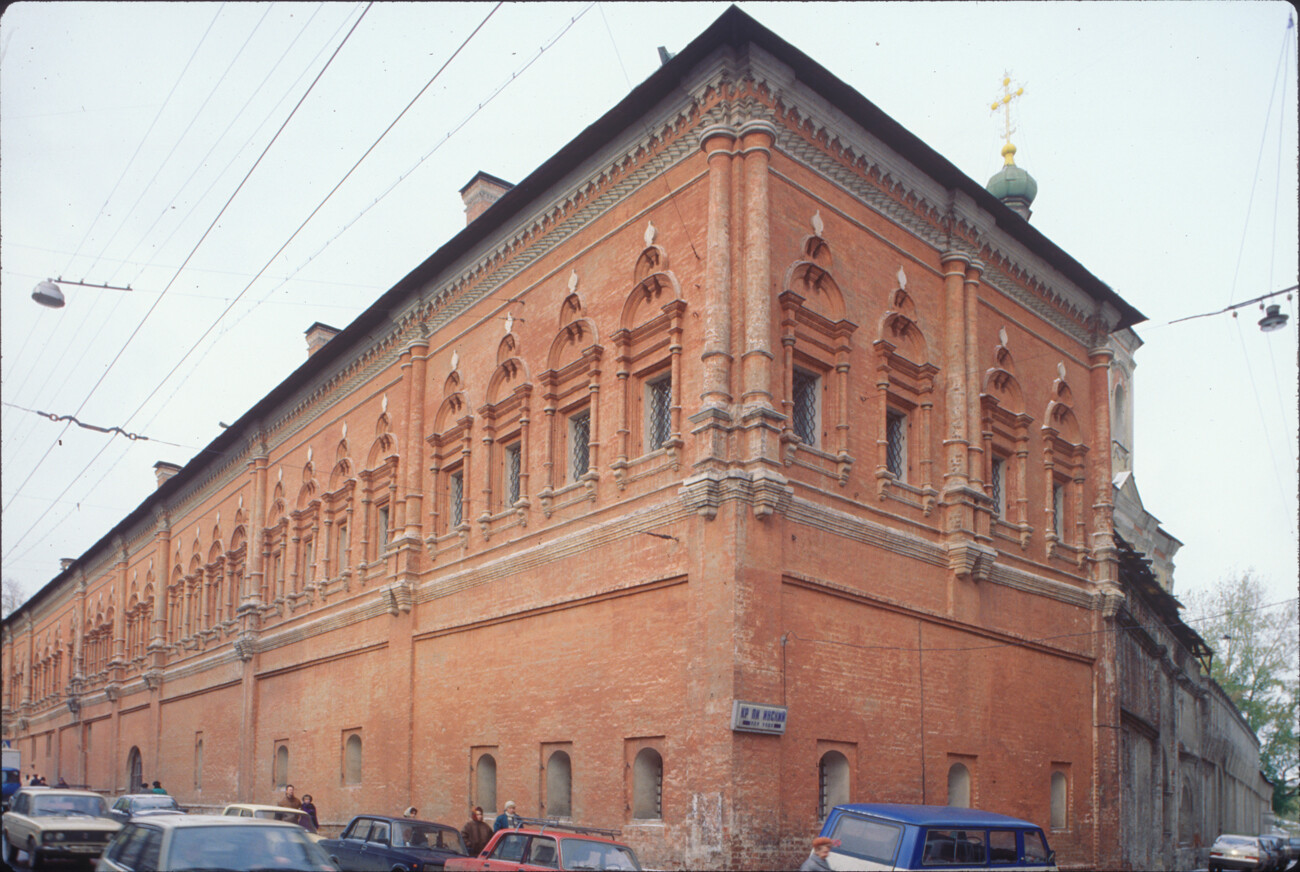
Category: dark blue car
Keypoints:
(373, 843)
(896, 836)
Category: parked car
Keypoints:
(274, 813)
(924, 836)
(391, 844)
(540, 844)
(132, 804)
(51, 823)
(1231, 851)
(179, 842)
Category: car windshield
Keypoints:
(1234, 840)
(64, 804)
(244, 849)
(146, 802)
(292, 815)
(872, 840)
(422, 835)
(586, 854)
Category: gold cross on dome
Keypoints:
(1003, 102)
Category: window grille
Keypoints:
(659, 394)
(804, 388)
(896, 444)
(1058, 510)
(455, 499)
(999, 487)
(579, 444)
(343, 546)
(513, 458)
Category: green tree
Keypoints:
(1257, 663)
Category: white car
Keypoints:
(175, 843)
(274, 813)
(54, 823)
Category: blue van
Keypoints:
(938, 837)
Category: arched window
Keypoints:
(832, 782)
(647, 785)
(959, 786)
(352, 760)
(280, 777)
(559, 785)
(134, 770)
(485, 782)
(1059, 794)
(198, 763)
(1186, 814)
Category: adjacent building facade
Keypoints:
(1189, 760)
(746, 396)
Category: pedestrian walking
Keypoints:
(817, 861)
(289, 800)
(411, 812)
(507, 818)
(158, 788)
(310, 807)
(476, 833)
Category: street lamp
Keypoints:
(48, 293)
(1273, 319)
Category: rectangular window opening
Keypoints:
(999, 487)
(455, 499)
(579, 444)
(658, 407)
(513, 466)
(896, 444)
(805, 387)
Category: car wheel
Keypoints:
(10, 852)
(34, 859)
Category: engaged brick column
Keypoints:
(717, 143)
(756, 138)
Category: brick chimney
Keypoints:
(482, 191)
(317, 335)
(164, 470)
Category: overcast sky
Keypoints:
(1163, 137)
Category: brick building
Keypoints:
(745, 395)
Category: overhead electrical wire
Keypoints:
(161, 109)
(269, 262)
(216, 86)
(188, 257)
(239, 113)
(403, 176)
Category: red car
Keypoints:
(547, 845)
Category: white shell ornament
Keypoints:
(1060, 369)
(649, 234)
(510, 322)
(818, 227)
(1002, 335)
(902, 279)
(455, 364)
(573, 275)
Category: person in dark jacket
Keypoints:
(476, 833)
(310, 807)
(817, 861)
(157, 788)
(507, 818)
